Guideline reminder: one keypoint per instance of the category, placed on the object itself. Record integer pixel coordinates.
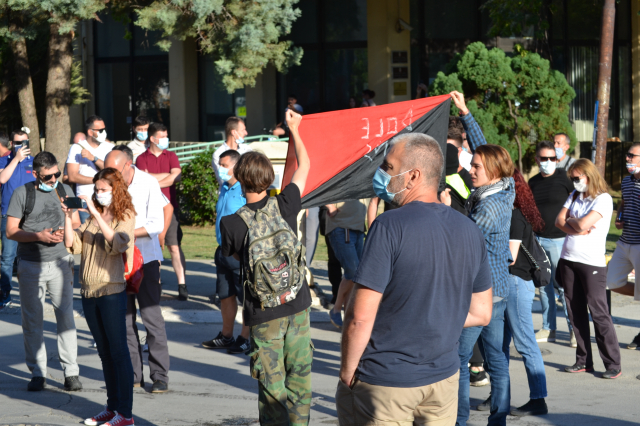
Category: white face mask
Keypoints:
(104, 198)
(102, 136)
(163, 143)
(548, 167)
(465, 159)
(633, 168)
(580, 186)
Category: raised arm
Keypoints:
(7, 172)
(475, 137)
(300, 175)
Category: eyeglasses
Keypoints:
(543, 159)
(20, 142)
(99, 130)
(576, 179)
(630, 155)
(45, 178)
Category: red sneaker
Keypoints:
(118, 420)
(101, 418)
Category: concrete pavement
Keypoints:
(214, 388)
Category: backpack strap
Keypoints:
(60, 190)
(30, 201)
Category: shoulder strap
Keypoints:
(247, 215)
(529, 255)
(30, 201)
(61, 191)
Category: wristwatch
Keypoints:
(95, 158)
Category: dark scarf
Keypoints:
(484, 191)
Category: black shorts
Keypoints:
(174, 233)
(228, 281)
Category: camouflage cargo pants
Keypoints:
(281, 359)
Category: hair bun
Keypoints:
(26, 130)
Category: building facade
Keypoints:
(387, 46)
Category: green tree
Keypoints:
(244, 36)
(517, 101)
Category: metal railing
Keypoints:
(189, 151)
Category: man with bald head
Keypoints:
(430, 294)
(149, 203)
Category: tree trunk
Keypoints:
(58, 95)
(515, 134)
(25, 90)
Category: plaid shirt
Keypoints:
(475, 137)
(493, 216)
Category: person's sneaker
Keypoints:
(634, 343)
(159, 387)
(485, 406)
(612, 374)
(577, 368)
(36, 384)
(219, 342)
(118, 420)
(139, 384)
(336, 318)
(183, 293)
(546, 335)
(5, 299)
(573, 343)
(241, 345)
(104, 416)
(535, 407)
(478, 379)
(72, 384)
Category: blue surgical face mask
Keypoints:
(46, 188)
(240, 140)
(224, 174)
(163, 143)
(559, 153)
(142, 136)
(381, 180)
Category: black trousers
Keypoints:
(149, 303)
(334, 270)
(476, 359)
(585, 286)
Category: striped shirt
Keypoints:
(631, 210)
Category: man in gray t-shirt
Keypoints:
(44, 265)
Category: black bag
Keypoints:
(541, 266)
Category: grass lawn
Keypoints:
(199, 242)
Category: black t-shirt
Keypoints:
(550, 194)
(457, 202)
(234, 230)
(521, 231)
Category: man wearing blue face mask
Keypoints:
(139, 143)
(165, 167)
(550, 188)
(235, 132)
(36, 221)
(562, 143)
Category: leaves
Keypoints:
(198, 190)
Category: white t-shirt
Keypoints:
(242, 148)
(588, 249)
(87, 168)
(137, 147)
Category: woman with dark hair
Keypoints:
(518, 322)
(102, 240)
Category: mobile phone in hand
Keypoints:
(75, 203)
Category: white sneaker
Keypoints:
(546, 335)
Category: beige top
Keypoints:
(351, 215)
(102, 268)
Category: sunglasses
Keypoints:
(630, 155)
(45, 178)
(576, 179)
(543, 159)
(99, 130)
(20, 142)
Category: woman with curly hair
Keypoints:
(102, 240)
(518, 322)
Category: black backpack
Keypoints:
(541, 266)
(31, 199)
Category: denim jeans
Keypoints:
(106, 318)
(348, 253)
(553, 248)
(519, 324)
(9, 250)
(490, 338)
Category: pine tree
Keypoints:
(516, 101)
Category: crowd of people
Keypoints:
(465, 282)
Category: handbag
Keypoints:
(135, 276)
(541, 271)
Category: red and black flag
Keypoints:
(346, 147)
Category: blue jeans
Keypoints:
(553, 248)
(348, 253)
(519, 324)
(106, 318)
(490, 339)
(9, 250)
